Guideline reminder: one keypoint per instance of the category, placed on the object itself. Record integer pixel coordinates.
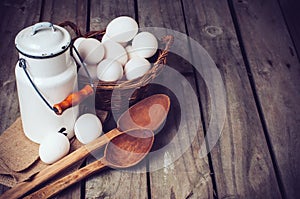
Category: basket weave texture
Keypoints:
(115, 96)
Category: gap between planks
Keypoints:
(256, 98)
(211, 168)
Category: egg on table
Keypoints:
(90, 50)
(109, 70)
(87, 128)
(53, 147)
(122, 29)
(136, 67)
(144, 44)
(115, 51)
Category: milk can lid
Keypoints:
(42, 40)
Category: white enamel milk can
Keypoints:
(45, 74)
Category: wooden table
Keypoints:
(256, 47)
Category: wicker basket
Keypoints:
(115, 96)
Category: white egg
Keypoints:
(106, 38)
(115, 51)
(92, 69)
(78, 41)
(87, 128)
(109, 70)
(91, 51)
(69, 132)
(136, 67)
(76, 44)
(53, 147)
(145, 44)
(122, 29)
(130, 52)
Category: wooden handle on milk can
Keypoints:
(73, 99)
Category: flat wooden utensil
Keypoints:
(123, 151)
(149, 113)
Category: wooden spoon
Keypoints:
(149, 113)
(124, 150)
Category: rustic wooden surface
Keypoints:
(255, 45)
(189, 176)
(8, 104)
(275, 77)
(241, 161)
(291, 15)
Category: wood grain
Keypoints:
(275, 71)
(70, 10)
(15, 15)
(166, 14)
(241, 161)
(114, 183)
(13, 21)
(62, 183)
(177, 171)
(102, 12)
(186, 176)
(290, 9)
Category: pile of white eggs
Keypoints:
(121, 52)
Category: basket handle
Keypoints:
(73, 26)
(94, 34)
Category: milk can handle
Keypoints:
(22, 64)
(42, 25)
(77, 97)
(71, 100)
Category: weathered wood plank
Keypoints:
(176, 169)
(166, 14)
(70, 10)
(117, 184)
(105, 11)
(15, 15)
(56, 12)
(241, 161)
(189, 175)
(275, 70)
(114, 183)
(291, 13)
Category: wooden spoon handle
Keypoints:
(22, 188)
(73, 99)
(68, 180)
